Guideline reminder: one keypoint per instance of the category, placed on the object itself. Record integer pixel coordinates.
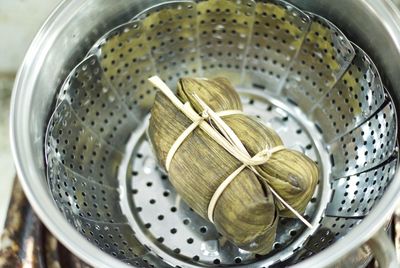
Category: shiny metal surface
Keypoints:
(224, 28)
(94, 100)
(278, 33)
(154, 40)
(366, 146)
(365, 188)
(324, 56)
(41, 86)
(171, 33)
(361, 83)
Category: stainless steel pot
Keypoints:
(75, 26)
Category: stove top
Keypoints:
(26, 242)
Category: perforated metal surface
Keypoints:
(126, 60)
(355, 195)
(356, 96)
(278, 33)
(79, 148)
(172, 37)
(324, 56)
(331, 229)
(296, 72)
(224, 29)
(366, 146)
(90, 95)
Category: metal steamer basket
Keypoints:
(81, 104)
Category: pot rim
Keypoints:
(30, 178)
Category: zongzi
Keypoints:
(243, 155)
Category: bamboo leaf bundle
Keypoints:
(247, 210)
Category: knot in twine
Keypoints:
(224, 136)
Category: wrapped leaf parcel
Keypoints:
(228, 166)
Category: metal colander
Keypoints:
(295, 70)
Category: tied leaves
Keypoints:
(246, 212)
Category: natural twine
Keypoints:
(225, 137)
